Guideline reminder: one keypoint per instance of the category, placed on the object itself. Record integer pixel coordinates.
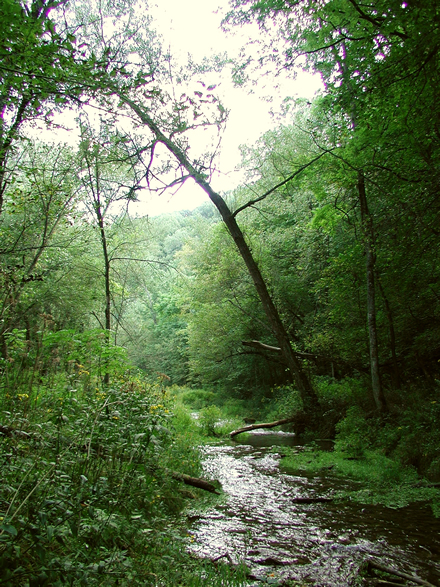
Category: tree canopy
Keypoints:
(325, 260)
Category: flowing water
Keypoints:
(322, 544)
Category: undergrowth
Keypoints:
(86, 496)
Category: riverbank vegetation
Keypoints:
(87, 492)
(312, 290)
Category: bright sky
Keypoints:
(193, 26)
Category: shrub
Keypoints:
(85, 490)
(195, 398)
(353, 433)
(284, 402)
(208, 419)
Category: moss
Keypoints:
(379, 479)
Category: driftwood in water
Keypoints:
(257, 426)
(374, 565)
(311, 499)
(194, 482)
(225, 555)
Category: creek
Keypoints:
(258, 521)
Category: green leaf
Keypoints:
(9, 529)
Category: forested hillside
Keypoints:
(311, 291)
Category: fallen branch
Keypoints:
(311, 499)
(374, 565)
(256, 344)
(260, 345)
(194, 482)
(257, 426)
(225, 555)
(382, 583)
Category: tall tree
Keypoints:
(37, 206)
(107, 179)
(49, 61)
(379, 62)
(308, 394)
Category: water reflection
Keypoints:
(322, 544)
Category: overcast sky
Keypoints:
(193, 26)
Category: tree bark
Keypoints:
(108, 316)
(308, 394)
(370, 257)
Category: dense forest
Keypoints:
(311, 291)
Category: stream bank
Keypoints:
(264, 519)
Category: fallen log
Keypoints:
(382, 583)
(194, 482)
(312, 499)
(258, 426)
(374, 565)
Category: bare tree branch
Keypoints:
(297, 172)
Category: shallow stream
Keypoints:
(322, 544)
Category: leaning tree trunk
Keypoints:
(370, 257)
(108, 320)
(308, 394)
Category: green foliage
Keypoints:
(208, 419)
(199, 414)
(283, 402)
(80, 483)
(176, 300)
(66, 359)
(86, 497)
(353, 433)
(409, 436)
(196, 398)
